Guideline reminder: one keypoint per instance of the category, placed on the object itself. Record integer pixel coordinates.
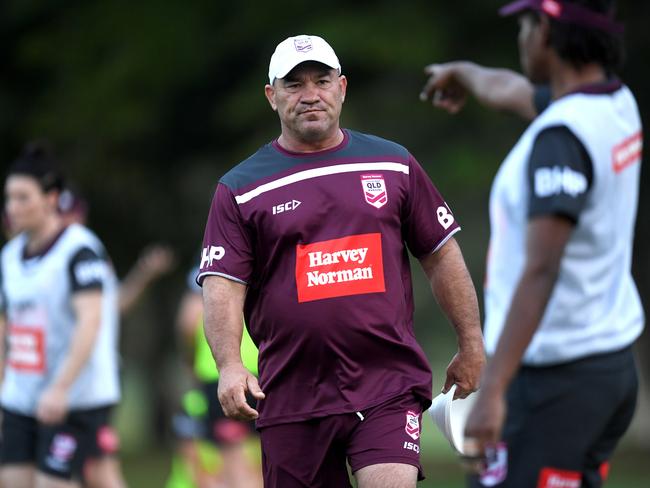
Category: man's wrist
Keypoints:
(471, 341)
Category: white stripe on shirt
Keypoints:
(316, 172)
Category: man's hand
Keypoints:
(443, 88)
(484, 425)
(465, 369)
(234, 382)
(52, 406)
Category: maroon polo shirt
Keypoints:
(321, 241)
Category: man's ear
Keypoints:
(344, 86)
(52, 198)
(269, 92)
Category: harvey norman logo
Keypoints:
(350, 265)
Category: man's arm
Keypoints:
(449, 84)
(87, 307)
(452, 287)
(223, 303)
(546, 239)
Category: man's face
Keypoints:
(533, 34)
(308, 101)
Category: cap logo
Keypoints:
(552, 8)
(303, 45)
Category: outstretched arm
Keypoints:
(453, 289)
(223, 302)
(153, 262)
(449, 85)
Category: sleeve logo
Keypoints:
(445, 218)
(350, 265)
(556, 180)
(374, 190)
(211, 254)
(87, 272)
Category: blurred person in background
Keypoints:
(562, 308)
(59, 301)
(231, 437)
(103, 470)
(310, 239)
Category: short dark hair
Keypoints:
(37, 160)
(581, 45)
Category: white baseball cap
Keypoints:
(298, 49)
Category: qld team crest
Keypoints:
(412, 425)
(374, 190)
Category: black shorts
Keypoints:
(212, 425)
(564, 422)
(220, 429)
(58, 450)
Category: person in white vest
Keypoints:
(562, 309)
(60, 322)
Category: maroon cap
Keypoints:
(561, 11)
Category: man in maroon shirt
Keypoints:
(309, 237)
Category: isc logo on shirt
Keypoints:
(350, 265)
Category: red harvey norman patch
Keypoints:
(558, 478)
(26, 349)
(627, 152)
(350, 265)
(374, 190)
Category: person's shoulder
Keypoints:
(78, 236)
(15, 244)
(376, 145)
(249, 170)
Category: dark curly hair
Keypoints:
(37, 161)
(581, 45)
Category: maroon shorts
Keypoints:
(313, 453)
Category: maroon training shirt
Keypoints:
(321, 241)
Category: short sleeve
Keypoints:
(427, 221)
(227, 249)
(87, 270)
(560, 174)
(541, 97)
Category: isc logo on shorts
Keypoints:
(350, 265)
